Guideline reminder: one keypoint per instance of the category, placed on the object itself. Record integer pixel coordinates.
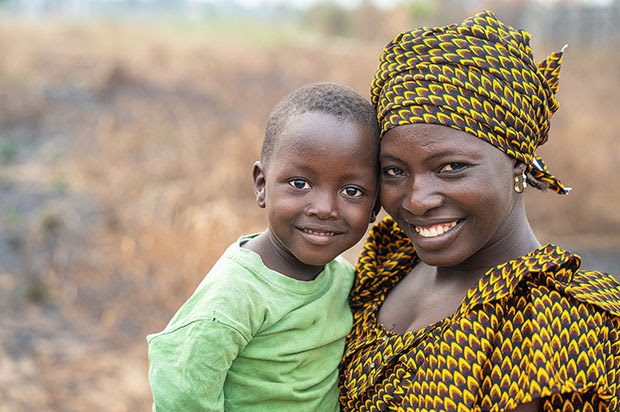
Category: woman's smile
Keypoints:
(451, 192)
(434, 230)
(436, 237)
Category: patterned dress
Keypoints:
(534, 327)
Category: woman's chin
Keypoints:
(440, 258)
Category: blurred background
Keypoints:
(128, 129)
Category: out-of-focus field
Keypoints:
(125, 156)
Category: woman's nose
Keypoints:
(323, 205)
(422, 196)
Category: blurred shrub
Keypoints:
(329, 18)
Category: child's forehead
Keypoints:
(315, 127)
(324, 138)
(314, 118)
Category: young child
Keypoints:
(265, 329)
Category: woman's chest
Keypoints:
(448, 360)
(418, 301)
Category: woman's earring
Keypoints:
(520, 188)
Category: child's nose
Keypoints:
(323, 206)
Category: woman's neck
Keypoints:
(513, 240)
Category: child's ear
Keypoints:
(375, 211)
(258, 173)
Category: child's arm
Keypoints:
(188, 366)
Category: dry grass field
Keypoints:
(125, 159)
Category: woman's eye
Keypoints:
(299, 184)
(452, 167)
(351, 191)
(392, 171)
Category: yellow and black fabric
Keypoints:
(534, 327)
(478, 76)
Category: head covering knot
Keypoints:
(479, 77)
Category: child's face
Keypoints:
(320, 187)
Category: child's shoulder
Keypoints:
(340, 268)
(225, 289)
(340, 262)
(235, 270)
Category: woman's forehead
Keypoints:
(423, 134)
(430, 140)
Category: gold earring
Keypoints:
(518, 187)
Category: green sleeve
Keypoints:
(188, 366)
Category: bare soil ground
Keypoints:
(125, 157)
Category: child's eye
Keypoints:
(392, 171)
(299, 184)
(452, 167)
(351, 191)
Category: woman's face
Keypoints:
(451, 192)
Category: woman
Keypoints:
(457, 306)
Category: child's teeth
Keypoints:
(319, 233)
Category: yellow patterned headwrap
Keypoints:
(478, 76)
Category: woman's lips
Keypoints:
(435, 230)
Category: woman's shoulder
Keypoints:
(598, 288)
(562, 269)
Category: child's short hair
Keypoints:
(331, 98)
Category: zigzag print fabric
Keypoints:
(479, 77)
(534, 327)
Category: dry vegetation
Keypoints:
(125, 158)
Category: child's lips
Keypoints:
(319, 236)
(319, 232)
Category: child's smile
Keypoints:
(318, 235)
(319, 190)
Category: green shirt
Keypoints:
(251, 339)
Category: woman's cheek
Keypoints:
(389, 196)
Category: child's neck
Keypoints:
(278, 258)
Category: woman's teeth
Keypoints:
(433, 231)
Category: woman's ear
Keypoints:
(519, 168)
(520, 178)
(258, 174)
